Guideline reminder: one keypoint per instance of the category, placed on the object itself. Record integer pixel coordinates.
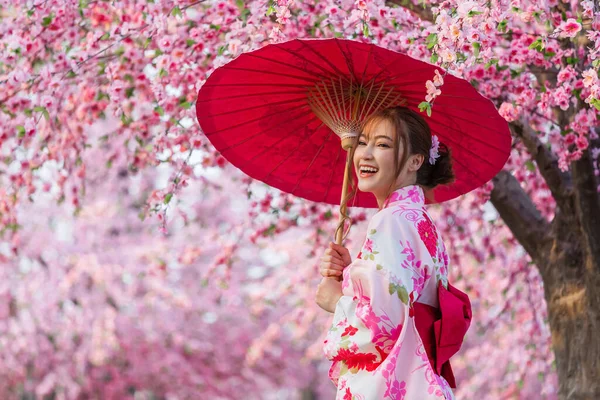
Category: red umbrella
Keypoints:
(270, 112)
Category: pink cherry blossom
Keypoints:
(570, 28)
(508, 111)
(432, 91)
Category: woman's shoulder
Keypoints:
(401, 217)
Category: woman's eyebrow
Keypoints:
(378, 136)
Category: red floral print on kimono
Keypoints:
(373, 342)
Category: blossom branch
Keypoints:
(559, 182)
(519, 213)
(422, 11)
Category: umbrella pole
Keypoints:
(339, 232)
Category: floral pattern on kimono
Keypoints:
(373, 343)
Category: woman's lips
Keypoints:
(366, 174)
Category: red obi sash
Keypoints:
(442, 329)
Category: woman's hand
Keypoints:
(328, 293)
(333, 262)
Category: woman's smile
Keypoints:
(366, 171)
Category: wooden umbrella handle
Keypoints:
(339, 232)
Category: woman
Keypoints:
(382, 341)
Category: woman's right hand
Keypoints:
(333, 262)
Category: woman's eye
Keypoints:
(383, 145)
(361, 143)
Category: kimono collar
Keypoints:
(411, 195)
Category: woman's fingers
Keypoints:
(331, 265)
(330, 272)
(333, 260)
(341, 252)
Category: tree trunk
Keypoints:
(574, 313)
(567, 265)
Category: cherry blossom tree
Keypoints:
(138, 262)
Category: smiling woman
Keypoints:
(382, 341)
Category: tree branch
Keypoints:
(559, 182)
(519, 213)
(421, 11)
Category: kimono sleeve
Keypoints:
(387, 277)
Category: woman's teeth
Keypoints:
(367, 171)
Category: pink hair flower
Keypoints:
(433, 152)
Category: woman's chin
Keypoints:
(365, 187)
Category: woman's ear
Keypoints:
(415, 161)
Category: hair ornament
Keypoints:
(433, 152)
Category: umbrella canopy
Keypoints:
(270, 112)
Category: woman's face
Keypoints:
(374, 159)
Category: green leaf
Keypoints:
(126, 120)
(160, 111)
(162, 73)
(366, 30)
(431, 40)
(572, 60)
(537, 45)
(271, 9)
(493, 61)
(392, 288)
(129, 92)
(476, 47)
(473, 13)
(595, 103)
(43, 110)
(502, 26)
(403, 294)
(106, 36)
(102, 95)
(343, 369)
(190, 42)
(434, 58)
(48, 19)
(373, 231)
(176, 11)
(20, 131)
(425, 106)
(168, 198)
(379, 267)
(530, 165)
